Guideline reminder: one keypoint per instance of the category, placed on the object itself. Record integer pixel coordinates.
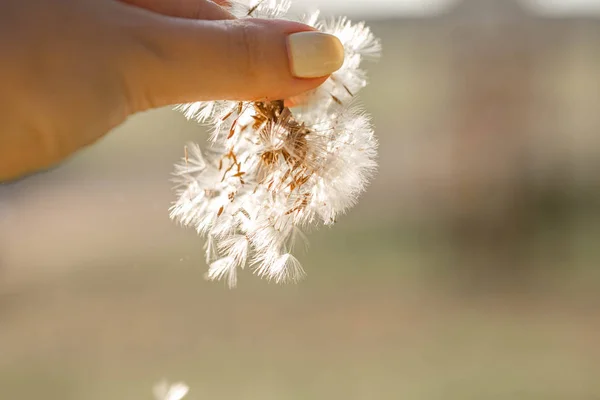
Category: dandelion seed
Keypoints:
(223, 268)
(272, 171)
(165, 391)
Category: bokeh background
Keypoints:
(469, 270)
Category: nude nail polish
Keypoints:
(314, 54)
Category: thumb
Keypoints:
(249, 59)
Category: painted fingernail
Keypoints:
(314, 54)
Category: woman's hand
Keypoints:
(71, 70)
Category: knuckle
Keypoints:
(247, 45)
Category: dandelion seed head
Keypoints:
(271, 171)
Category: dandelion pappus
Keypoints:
(304, 162)
(243, 212)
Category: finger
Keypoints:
(190, 9)
(297, 101)
(197, 9)
(247, 59)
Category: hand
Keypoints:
(71, 70)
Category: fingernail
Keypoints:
(314, 54)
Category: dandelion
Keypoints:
(271, 171)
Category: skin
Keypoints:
(72, 70)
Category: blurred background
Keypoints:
(469, 269)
